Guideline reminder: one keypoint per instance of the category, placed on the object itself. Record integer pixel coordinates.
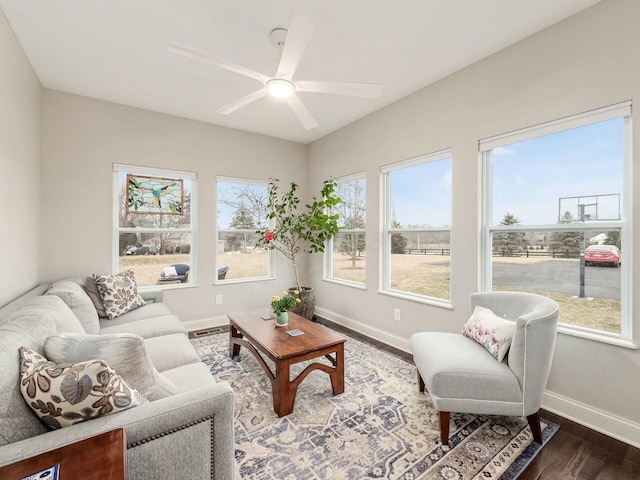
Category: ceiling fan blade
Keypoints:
(302, 112)
(368, 90)
(302, 26)
(216, 62)
(241, 102)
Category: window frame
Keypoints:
(271, 263)
(387, 230)
(486, 146)
(328, 256)
(119, 168)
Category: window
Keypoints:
(154, 226)
(345, 258)
(241, 210)
(557, 208)
(417, 228)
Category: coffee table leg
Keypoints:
(337, 376)
(284, 394)
(234, 348)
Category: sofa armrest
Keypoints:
(187, 436)
(152, 296)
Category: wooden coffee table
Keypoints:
(248, 329)
(102, 457)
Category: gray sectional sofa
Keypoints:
(185, 431)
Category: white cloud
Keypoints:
(504, 151)
(445, 181)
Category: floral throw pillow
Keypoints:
(490, 331)
(119, 293)
(65, 394)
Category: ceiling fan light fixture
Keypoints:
(280, 88)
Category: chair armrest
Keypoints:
(152, 296)
(188, 436)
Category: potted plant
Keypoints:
(281, 306)
(299, 230)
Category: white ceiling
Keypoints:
(115, 50)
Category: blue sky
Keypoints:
(421, 195)
(530, 177)
(230, 191)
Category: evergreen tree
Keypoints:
(565, 243)
(398, 240)
(613, 238)
(509, 243)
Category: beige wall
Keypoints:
(20, 167)
(83, 138)
(586, 62)
(583, 63)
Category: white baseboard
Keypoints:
(377, 334)
(604, 422)
(204, 323)
(612, 425)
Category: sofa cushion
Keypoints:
(79, 302)
(52, 308)
(171, 351)
(151, 310)
(17, 421)
(64, 394)
(190, 377)
(124, 352)
(147, 328)
(23, 299)
(119, 293)
(92, 290)
(490, 331)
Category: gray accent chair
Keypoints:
(461, 376)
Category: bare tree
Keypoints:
(352, 211)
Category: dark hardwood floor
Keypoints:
(574, 452)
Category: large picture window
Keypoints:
(345, 257)
(417, 228)
(556, 217)
(241, 208)
(154, 227)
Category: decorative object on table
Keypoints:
(380, 427)
(297, 231)
(50, 473)
(283, 304)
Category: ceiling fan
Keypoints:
(302, 26)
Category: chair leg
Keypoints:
(420, 382)
(445, 417)
(534, 425)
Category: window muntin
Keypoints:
(241, 207)
(557, 189)
(417, 227)
(154, 225)
(345, 255)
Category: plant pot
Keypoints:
(282, 319)
(307, 303)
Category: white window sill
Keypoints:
(242, 280)
(597, 337)
(417, 298)
(346, 283)
(171, 286)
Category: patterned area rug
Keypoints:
(381, 427)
